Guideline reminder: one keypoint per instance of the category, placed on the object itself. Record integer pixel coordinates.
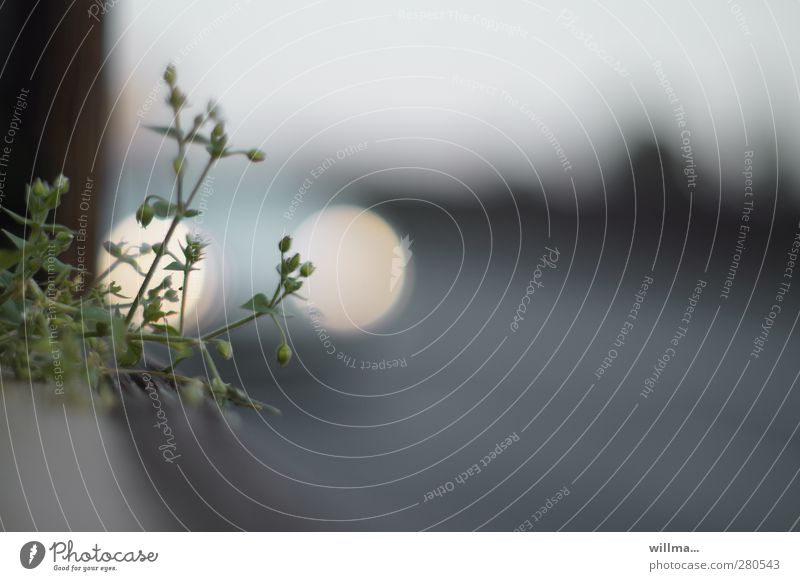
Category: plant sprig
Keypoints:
(53, 330)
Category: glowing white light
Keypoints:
(360, 265)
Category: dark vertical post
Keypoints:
(53, 110)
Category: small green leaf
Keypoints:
(114, 250)
(131, 261)
(175, 265)
(170, 132)
(166, 329)
(22, 220)
(59, 266)
(18, 242)
(259, 304)
(164, 209)
(95, 314)
(11, 313)
(182, 351)
(9, 258)
(145, 214)
(127, 352)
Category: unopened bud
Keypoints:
(225, 349)
(176, 98)
(293, 262)
(144, 215)
(256, 155)
(39, 189)
(170, 75)
(284, 354)
(307, 269)
(61, 184)
(64, 238)
(285, 244)
(292, 285)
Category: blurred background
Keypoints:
(548, 239)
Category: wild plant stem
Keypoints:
(162, 249)
(154, 338)
(152, 270)
(212, 367)
(280, 329)
(224, 329)
(105, 273)
(181, 156)
(280, 284)
(183, 296)
(229, 327)
(174, 376)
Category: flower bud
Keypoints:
(284, 354)
(218, 131)
(218, 141)
(176, 98)
(285, 244)
(61, 184)
(256, 155)
(307, 269)
(225, 349)
(39, 189)
(170, 75)
(292, 285)
(293, 262)
(64, 239)
(145, 214)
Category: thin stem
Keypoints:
(225, 328)
(280, 283)
(162, 249)
(183, 296)
(152, 270)
(276, 299)
(174, 376)
(181, 156)
(105, 273)
(152, 337)
(280, 329)
(200, 181)
(212, 367)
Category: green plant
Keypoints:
(53, 329)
